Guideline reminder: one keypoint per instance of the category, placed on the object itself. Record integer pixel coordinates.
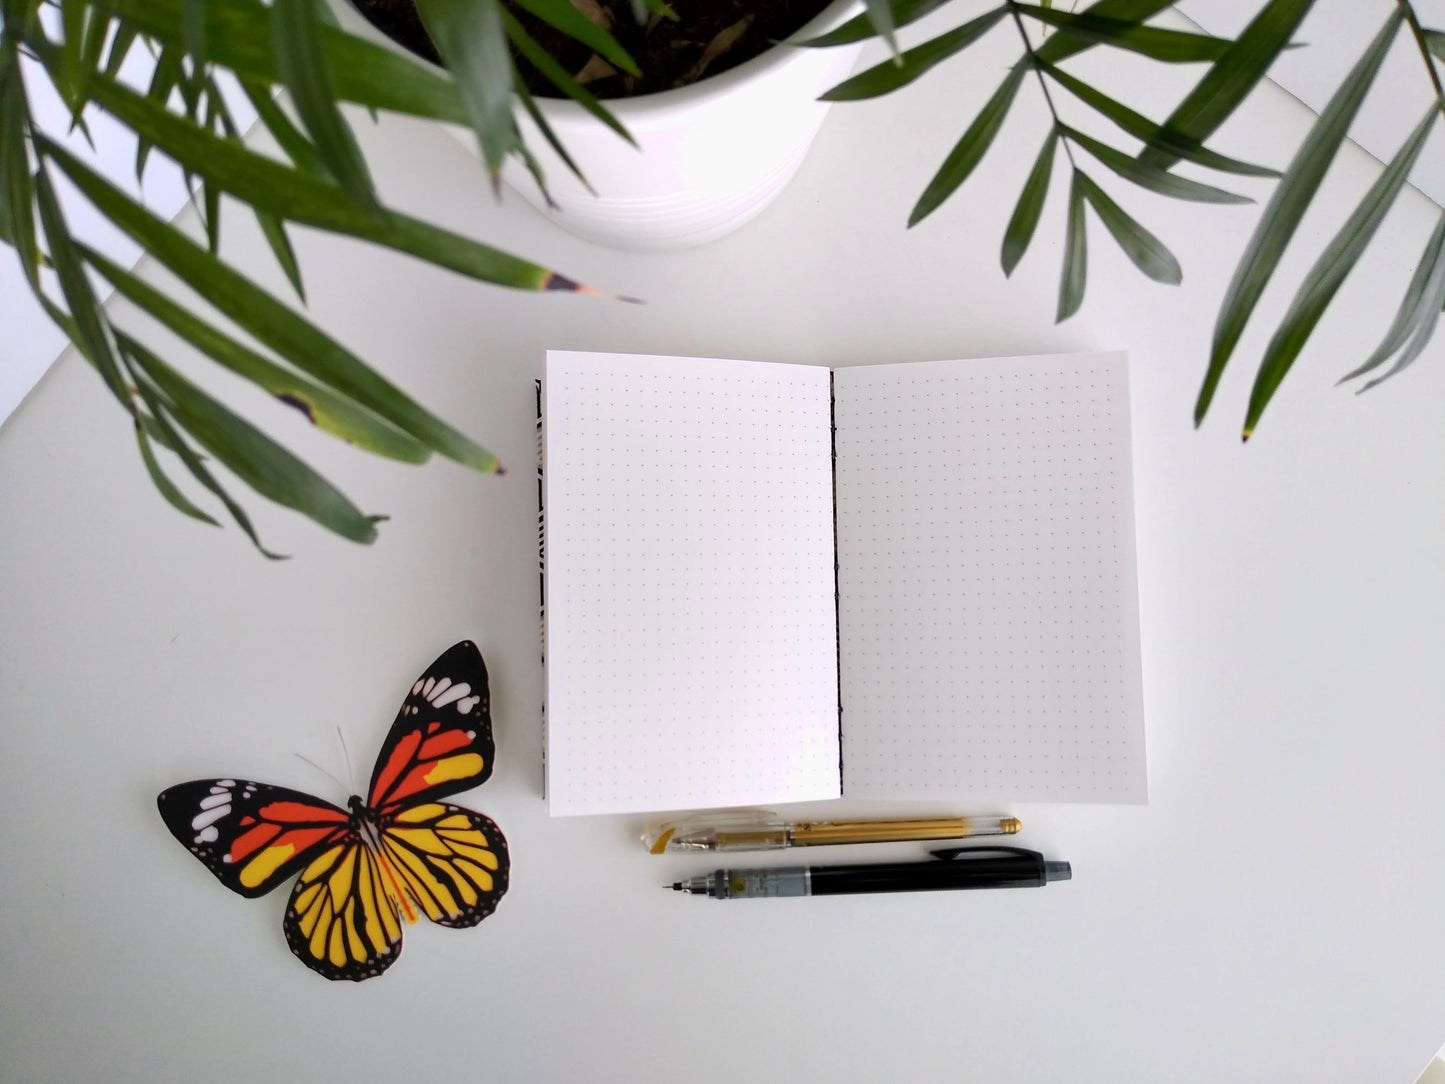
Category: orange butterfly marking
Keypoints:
(433, 765)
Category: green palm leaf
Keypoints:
(1030, 206)
(562, 15)
(1328, 274)
(91, 335)
(1231, 78)
(1169, 46)
(17, 201)
(1076, 255)
(880, 15)
(168, 489)
(472, 39)
(1414, 307)
(1151, 177)
(240, 37)
(288, 137)
(1062, 45)
(251, 455)
(971, 148)
(1287, 206)
(272, 323)
(193, 462)
(1424, 326)
(1151, 134)
(1146, 251)
(905, 68)
(557, 75)
(862, 27)
(300, 197)
(328, 411)
(275, 232)
(304, 69)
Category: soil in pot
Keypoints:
(707, 37)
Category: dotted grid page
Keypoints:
(987, 605)
(691, 630)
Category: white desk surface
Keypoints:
(1274, 913)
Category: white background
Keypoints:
(1273, 914)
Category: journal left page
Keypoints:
(691, 650)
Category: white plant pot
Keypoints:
(708, 158)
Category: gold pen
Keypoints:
(768, 832)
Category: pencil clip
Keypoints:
(949, 853)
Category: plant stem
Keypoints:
(1419, 32)
(1043, 85)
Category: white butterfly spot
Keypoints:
(467, 703)
(209, 816)
(456, 692)
(208, 835)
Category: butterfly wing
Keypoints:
(342, 920)
(453, 862)
(441, 741)
(252, 836)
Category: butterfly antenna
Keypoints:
(324, 772)
(346, 755)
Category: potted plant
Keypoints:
(684, 127)
(294, 46)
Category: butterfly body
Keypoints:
(388, 858)
(364, 822)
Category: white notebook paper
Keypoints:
(978, 636)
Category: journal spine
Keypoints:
(542, 586)
(837, 626)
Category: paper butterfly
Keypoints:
(398, 854)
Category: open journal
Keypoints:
(771, 583)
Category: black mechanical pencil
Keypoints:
(955, 867)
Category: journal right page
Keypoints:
(987, 603)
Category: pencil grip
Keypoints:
(748, 884)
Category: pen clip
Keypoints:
(949, 853)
